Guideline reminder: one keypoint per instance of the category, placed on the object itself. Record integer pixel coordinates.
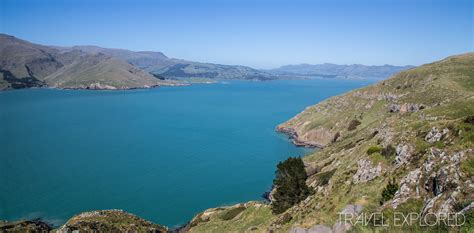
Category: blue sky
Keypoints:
(261, 34)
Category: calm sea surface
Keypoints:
(164, 154)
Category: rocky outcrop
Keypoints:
(403, 154)
(25, 226)
(366, 171)
(318, 137)
(405, 108)
(435, 135)
(408, 186)
(109, 221)
(438, 178)
(343, 224)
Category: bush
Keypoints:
(389, 191)
(374, 149)
(290, 183)
(353, 125)
(388, 151)
(469, 120)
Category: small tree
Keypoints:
(389, 191)
(290, 183)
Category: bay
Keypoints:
(164, 154)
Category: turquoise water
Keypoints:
(164, 154)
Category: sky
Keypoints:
(261, 34)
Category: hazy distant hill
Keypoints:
(171, 68)
(100, 71)
(24, 64)
(142, 59)
(328, 70)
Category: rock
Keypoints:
(456, 158)
(429, 205)
(467, 208)
(394, 108)
(318, 137)
(366, 171)
(341, 227)
(297, 230)
(320, 229)
(25, 226)
(439, 182)
(406, 107)
(352, 210)
(435, 135)
(408, 184)
(403, 154)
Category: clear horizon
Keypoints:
(263, 34)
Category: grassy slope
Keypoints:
(445, 88)
(90, 69)
(71, 69)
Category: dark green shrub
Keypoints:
(374, 149)
(388, 151)
(290, 183)
(469, 120)
(353, 125)
(389, 191)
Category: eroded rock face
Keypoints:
(438, 178)
(318, 137)
(366, 171)
(403, 154)
(436, 135)
(408, 186)
(405, 108)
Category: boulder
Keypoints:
(341, 227)
(297, 230)
(435, 135)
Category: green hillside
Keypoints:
(415, 128)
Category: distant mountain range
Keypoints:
(328, 70)
(24, 64)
